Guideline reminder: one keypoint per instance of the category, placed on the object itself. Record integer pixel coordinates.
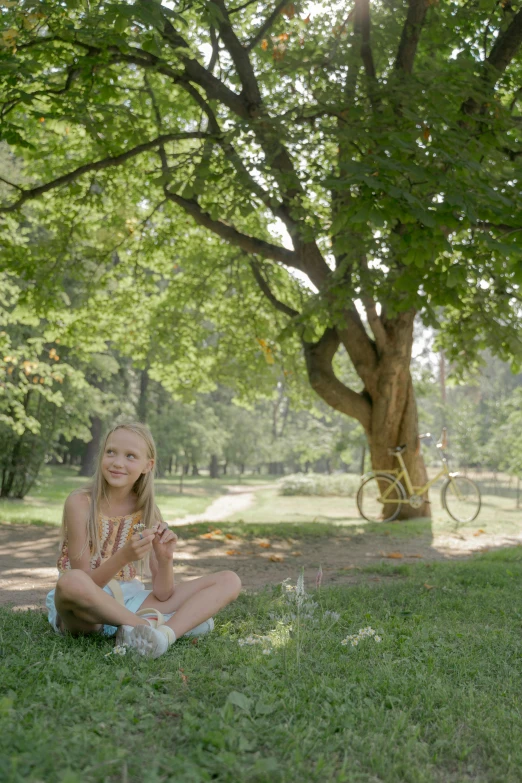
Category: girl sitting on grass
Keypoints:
(107, 527)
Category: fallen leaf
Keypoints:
(233, 552)
(480, 532)
(276, 558)
(264, 544)
(207, 535)
(230, 536)
(296, 554)
(392, 555)
(429, 587)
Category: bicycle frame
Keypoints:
(402, 473)
(460, 497)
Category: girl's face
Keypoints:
(124, 459)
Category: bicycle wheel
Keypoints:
(461, 498)
(379, 498)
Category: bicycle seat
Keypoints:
(397, 449)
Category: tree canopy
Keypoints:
(360, 162)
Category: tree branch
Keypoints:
(410, 35)
(267, 24)
(214, 40)
(233, 236)
(11, 184)
(375, 323)
(504, 49)
(265, 288)
(194, 71)
(241, 60)
(360, 348)
(324, 382)
(361, 26)
(118, 160)
(507, 44)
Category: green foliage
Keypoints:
(415, 196)
(319, 484)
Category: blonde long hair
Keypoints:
(143, 487)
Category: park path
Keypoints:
(28, 553)
(238, 498)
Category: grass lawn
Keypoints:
(498, 513)
(44, 504)
(437, 700)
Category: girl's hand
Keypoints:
(138, 545)
(164, 541)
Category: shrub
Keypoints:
(319, 484)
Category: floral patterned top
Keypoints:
(113, 532)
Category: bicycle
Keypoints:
(381, 494)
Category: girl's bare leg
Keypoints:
(196, 600)
(84, 607)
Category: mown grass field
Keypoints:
(438, 700)
(499, 514)
(44, 504)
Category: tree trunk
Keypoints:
(89, 455)
(386, 407)
(394, 423)
(214, 467)
(143, 398)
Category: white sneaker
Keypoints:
(151, 642)
(152, 616)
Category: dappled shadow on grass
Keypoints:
(27, 564)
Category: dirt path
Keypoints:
(28, 555)
(238, 499)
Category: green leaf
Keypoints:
(239, 700)
(121, 23)
(151, 44)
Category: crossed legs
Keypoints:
(196, 600)
(84, 607)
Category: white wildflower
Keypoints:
(334, 615)
(355, 642)
(267, 651)
(117, 650)
(377, 638)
